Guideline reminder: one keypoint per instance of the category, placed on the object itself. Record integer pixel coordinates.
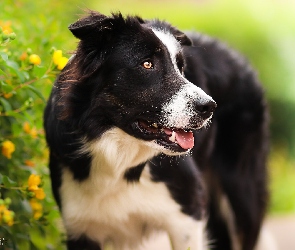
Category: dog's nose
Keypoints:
(205, 110)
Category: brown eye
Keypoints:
(181, 69)
(147, 65)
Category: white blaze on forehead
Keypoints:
(179, 110)
(171, 44)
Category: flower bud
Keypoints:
(12, 36)
(62, 63)
(8, 148)
(52, 50)
(7, 201)
(35, 59)
(29, 51)
(57, 55)
(4, 36)
(31, 194)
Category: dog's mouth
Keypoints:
(174, 139)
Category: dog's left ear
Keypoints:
(88, 26)
(181, 37)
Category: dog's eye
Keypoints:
(181, 70)
(180, 67)
(147, 65)
(180, 63)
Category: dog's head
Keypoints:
(129, 73)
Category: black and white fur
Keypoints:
(118, 125)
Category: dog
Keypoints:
(138, 144)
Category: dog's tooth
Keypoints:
(172, 137)
(155, 125)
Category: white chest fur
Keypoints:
(106, 208)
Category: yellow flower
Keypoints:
(35, 59)
(7, 149)
(27, 128)
(33, 185)
(29, 163)
(34, 132)
(6, 27)
(40, 194)
(62, 63)
(59, 60)
(7, 95)
(8, 81)
(33, 182)
(37, 208)
(31, 131)
(6, 215)
(2, 208)
(23, 56)
(57, 55)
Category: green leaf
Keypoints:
(6, 105)
(7, 182)
(15, 67)
(2, 72)
(6, 87)
(26, 75)
(36, 91)
(25, 219)
(1, 178)
(39, 71)
(23, 236)
(4, 56)
(32, 246)
(14, 114)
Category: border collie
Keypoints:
(133, 145)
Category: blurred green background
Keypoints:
(264, 31)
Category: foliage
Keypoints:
(24, 206)
(28, 66)
(282, 176)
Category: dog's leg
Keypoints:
(266, 240)
(237, 171)
(82, 243)
(228, 215)
(186, 225)
(187, 233)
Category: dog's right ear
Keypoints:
(90, 25)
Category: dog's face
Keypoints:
(128, 73)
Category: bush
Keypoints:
(25, 209)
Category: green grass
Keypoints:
(282, 179)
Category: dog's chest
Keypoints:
(115, 210)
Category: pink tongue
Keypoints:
(184, 139)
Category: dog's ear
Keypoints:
(90, 25)
(163, 25)
(181, 37)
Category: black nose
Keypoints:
(205, 110)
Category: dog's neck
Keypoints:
(115, 152)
